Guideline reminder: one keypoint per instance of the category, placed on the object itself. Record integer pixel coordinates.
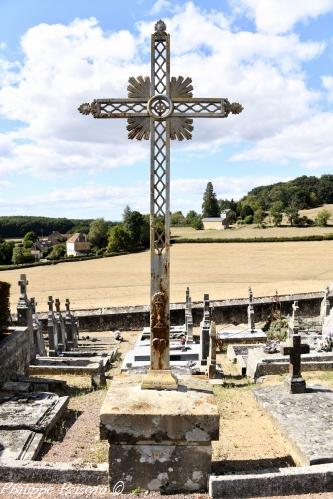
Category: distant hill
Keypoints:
(18, 226)
(302, 192)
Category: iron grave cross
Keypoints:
(160, 108)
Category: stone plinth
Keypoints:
(159, 440)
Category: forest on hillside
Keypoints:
(18, 226)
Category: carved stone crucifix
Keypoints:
(160, 108)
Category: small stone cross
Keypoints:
(23, 283)
(67, 305)
(57, 305)
(50, 303)
(295, 382)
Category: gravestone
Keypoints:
(325, 305)
(211, 369)
(60, 325)
(189, 322)
(295, 383)
(24, 311)
(204, 332)
(52, 330)
(71, 327)
(37, 330)
(294, 319)
(250, 312)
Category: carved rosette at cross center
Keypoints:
(160, 108)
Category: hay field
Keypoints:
(222, 270)
(250, 231)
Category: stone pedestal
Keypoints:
(295, 385)
(159, 440)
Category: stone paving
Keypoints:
(305, 419)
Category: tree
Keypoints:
(246, 211)
(210, 205)
(137, 227)
(6, 252)
(21, 255)
(177, 218)
(58, 251)
(30, 236)
(231, 217)
(118, 239)
(259, 217)
(276, 212)
(98, 233)
(323, 217)
(292, 214)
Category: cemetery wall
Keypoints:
(223, 311)
(15, 353)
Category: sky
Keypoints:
(273, 56)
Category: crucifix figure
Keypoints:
(295, 383)
(160, 108)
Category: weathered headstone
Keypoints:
(294, 319)
(250, 312)
(325, 305)
(52, 330)
(37, 330)
(295, 383)
(24, 312)
(204, 331)
(71, 327)
(61, 331)
(211, 365)
(189, 322)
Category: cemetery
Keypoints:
(229, 398)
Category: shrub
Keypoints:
(323, 217)
(197, 223)
(21, 255)
(58, 251)
(248, 219)
(4, 306)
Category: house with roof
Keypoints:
(78, 244)
(216, 223)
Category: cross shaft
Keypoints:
(161, 109)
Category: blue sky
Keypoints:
(273, 56)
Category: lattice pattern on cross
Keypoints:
(160, 108)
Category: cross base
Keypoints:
(159, 380)
(295, 384)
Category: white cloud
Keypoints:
(328, 85)
(65, 65)
(279, 16)
(159, 6)
(309, 142)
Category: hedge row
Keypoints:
(67, 259)
(324, 237)
(4, 306)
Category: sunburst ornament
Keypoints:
(139, 127)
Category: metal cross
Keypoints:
(295, 352)
(160, 108)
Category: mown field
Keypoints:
(222, 270)
(249, 232)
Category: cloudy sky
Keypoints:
(273, 56)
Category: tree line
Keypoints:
(18, 226)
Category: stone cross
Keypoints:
(293, 324)
(250, 312)
(160, 108)
(295, 383)
(23, 283)
(51, 329)
(67, 305)
(189, 322)
(325, 305)
(211, 365)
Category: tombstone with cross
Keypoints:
(24, 312)
(295, 383)
(294, 320)
(160, 108)
(38, 330)
(52, 329)
(325, 306)
(60, 326)
(71, 327)
(250, 312)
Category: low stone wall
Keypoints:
(223, 311)
(15, 353)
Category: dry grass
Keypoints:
(249, 231)
(222, 270)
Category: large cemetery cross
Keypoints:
(160, 108)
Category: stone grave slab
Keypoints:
(305, 420)
(233, 335)
(36, 411)
(20, 444)
(260, 363)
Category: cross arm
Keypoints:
(115, 108)
(305, 348)
(204, 108)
